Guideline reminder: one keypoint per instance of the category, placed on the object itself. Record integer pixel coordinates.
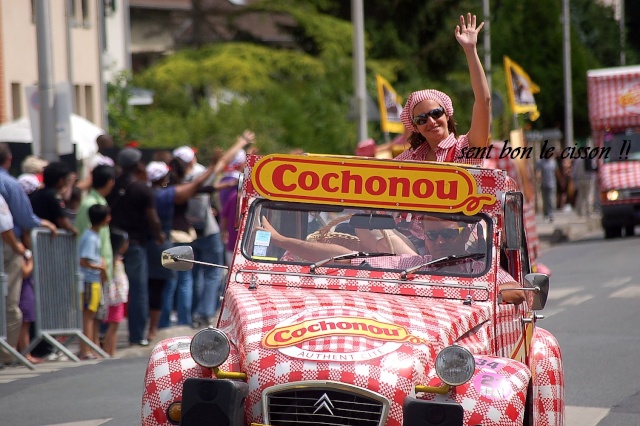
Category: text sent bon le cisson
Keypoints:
(571, 152)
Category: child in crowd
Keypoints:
(118, 293)
(94, 269)
(29, 183)
(73, 204)
(27, 306)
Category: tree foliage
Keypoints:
(123, 122)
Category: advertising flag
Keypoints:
(521, 90)
(390, 107)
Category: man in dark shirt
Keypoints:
(133, 210)
(47, 202)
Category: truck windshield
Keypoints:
(624, 146)
(386, 239)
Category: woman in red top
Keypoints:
(428, 114)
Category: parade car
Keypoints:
(367, 292)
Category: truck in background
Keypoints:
(614, 114)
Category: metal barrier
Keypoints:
(58, 287)
(3, 314)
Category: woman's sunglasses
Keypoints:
(447, 233)
(421, 119)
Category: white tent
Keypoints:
(83, 134)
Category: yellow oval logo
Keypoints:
(368, 183)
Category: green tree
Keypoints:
(123, 121)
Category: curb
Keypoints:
(136, 351)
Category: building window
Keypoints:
(88, 99)
(16, 100)
(109, 7)
(77, 99)
(85, 13)
(80, 13)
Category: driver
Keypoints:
(442, 238)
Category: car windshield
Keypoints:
(409, 242)
(624, 146)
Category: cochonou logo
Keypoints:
(309, 325)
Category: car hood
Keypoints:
(285, 335)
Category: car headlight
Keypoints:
(210, 347)
(455, 365)
(613, 195)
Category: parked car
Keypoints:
(367, 292)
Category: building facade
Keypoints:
(75, 51)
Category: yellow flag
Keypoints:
(390, 107)
(521, 90)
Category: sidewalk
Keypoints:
(125, 351)
(566, 226)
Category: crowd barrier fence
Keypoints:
(58, 287)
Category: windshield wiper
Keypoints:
(441, 262)
(354, 255)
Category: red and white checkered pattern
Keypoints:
(548, 379)
(170, 364)
(605, 88)
(435, 315)
(495, 396)
(619, 175)
(508, 165)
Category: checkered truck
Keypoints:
(614, 113)
(381, 331)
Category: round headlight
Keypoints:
(455, 365)
(613, 195)
(210, 347)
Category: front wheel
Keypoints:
(630, 230)
(613, 232)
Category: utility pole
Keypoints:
(46, 90)
(101, 49)
(69, 23)
(357, 17)
(487, 48)
(623, 60)
(568, 93)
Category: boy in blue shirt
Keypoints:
(94, 269)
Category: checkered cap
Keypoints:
(416, 97)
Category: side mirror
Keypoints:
(538, 286)
(513, 228)
(178, 258)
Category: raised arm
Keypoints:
(184, 191)
(247, 138)
(467, 35)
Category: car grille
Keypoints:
(325, 403)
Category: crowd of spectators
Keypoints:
(123, 215)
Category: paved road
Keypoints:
(593, 311)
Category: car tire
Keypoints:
(630, 230)
(612, 232)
